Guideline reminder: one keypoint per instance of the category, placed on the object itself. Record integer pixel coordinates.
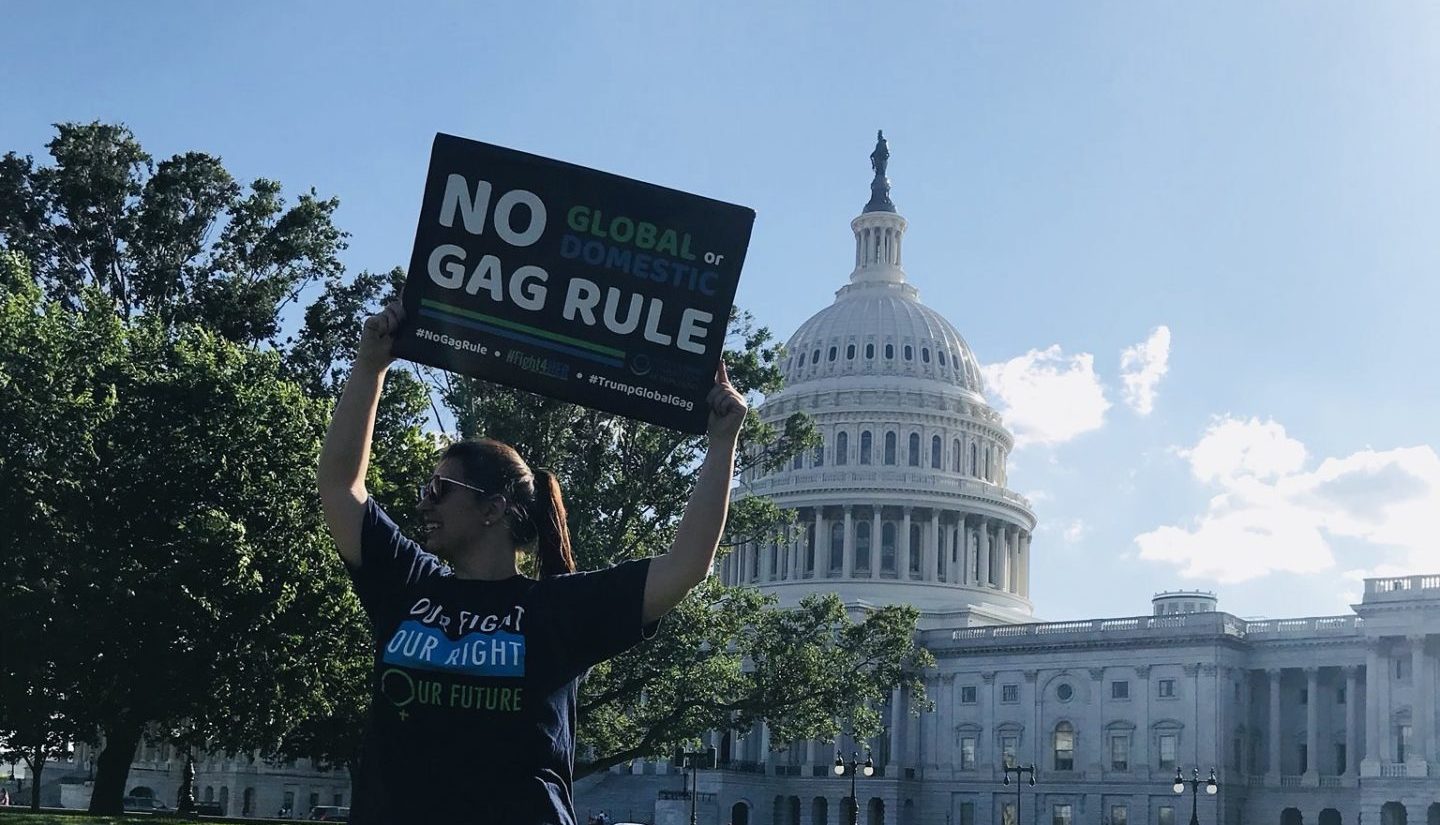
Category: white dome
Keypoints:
(881, 328)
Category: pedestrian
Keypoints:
(5, 796)
(476, 666)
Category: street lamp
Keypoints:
(855, 767)
(1211, 787)
(1019, 771)
(694, 760)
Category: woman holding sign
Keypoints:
(476, 667)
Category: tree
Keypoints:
(726, 658)
(167, 563)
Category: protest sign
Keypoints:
(572, 283)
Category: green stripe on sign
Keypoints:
(528, 330)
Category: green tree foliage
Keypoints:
(170, 574)
(726, 658)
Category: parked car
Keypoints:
(330, 813)
(144, 804)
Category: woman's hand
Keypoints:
(377, 337)
(727, 407)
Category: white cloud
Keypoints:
(1369, 514)
(1141, 368)
(1048, 397)
(1075, 531)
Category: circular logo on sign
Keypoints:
(400, 689)
(640, 364)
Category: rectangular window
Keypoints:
(1166, 688)
(1064, 748)
(967, 753)
(1009, 748)
(1304, 696)
(1236, 753)
(967, 813)
(1401, 669)
(1167, 815)
(1340, 759)
(1402, 742)
(1119, 815)
(1340, 696)
(1119, 752)
(1009, 693)
(967, 695)
(1304, 758)
(1119, 690)
(1169, 746)
(1061, 815)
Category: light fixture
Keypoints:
(839, 765)
(869, 765)
(1179, 782)
(1211, 787)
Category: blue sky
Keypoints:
(1260, 182)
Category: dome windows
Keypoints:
(889, 352)
(842, 449)
(909, 353)
(865, 440)
(849, 352)
(935, 450)
(941, 354)
(890, 444)
(815, 356)
(925, 355)
(870, 352)
(914, 451)
(833, 352)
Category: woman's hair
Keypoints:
(534, 511)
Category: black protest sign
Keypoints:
(572, 283)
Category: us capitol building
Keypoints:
(1306, 721)
(1326, 720)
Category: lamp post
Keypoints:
(1211, 787)
(694, 760)
(1019, 771)
(855, 767)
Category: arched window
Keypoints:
(815, 356)
(909, 353)
(842, 449)
(941, 353)
(1064, 747)
(817, 458)
(914, 549)
(832, 354)
(798, 461)
(925, 354)
(870, 351)
(887, 548)
(890, 440)
(935, 450)
(862, 548)
(837, 547)
(914, 450)
(973, 463)
(889, 351)
(850, 352)
(808, 568)
(959, 455)
(865, 447)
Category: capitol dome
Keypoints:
(905, 500)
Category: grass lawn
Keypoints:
(15, 816)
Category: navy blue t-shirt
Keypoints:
(472, 716)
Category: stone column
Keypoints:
(1374, 679)
(847, 563)
(764, 756)
(1352, 696)
(1013, 544)
(822, 546)
(902, 552)
(1312, 727)
(1025, 564)
(896, 718)
(1423, 689)
(875, 541)
(1002, 556)
(931, 562)
(1273, 774)
(983, 532)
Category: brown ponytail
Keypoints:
(534, 513)
(552, 534)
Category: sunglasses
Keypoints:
(434, 489)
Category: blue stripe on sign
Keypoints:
(476, 654)
(522, 337)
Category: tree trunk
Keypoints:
(112, 769)
(37, 767)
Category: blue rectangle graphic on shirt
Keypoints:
(475, 654)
